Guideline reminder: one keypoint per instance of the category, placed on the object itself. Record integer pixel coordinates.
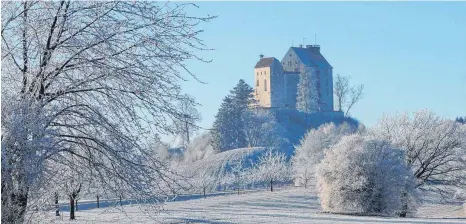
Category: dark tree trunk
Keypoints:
(76, 204)
(73, 196)
(271, 185)
(98, 206)
(204, 192)
(404, 209)
(57, 207)
(120, 201)
(72, 217)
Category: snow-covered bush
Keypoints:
(435, 148)
(271, 167)
(200, 148)
(312, 147)
(362, 175)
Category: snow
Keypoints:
(285, 205)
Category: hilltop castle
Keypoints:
(276, 82)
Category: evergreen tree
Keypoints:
(228, 126)
(307, 100)
(461, 120)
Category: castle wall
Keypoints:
(262, 86)
(291, 62)
(278, 93)
(291, 80)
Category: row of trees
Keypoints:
(84, 86)
(354, 166)
(269, 168)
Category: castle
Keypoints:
(276, 82)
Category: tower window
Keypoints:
(265, 84)
(265, 72)
(257, 82)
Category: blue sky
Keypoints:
(408, 55)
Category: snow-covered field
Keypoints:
(286, 205)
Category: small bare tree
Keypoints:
(185, 122)
(345, 94)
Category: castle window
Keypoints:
(265, 72)
(257, 82)
(265, 84)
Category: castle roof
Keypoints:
(311, 56)
(266, 62)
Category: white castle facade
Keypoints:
(276, 82)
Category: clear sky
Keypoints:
(408, 55)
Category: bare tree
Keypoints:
(95, 80)
(185, 122)
(345, 94)
(434, 147)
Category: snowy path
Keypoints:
(289, 205)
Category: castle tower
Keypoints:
(269, 83)
(298, 57)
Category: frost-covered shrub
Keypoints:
(363, 175)
(311, 149)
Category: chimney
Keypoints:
(314, 48)
(261, 56)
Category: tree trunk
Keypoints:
(271, 185)
(120, 201)
(15, 210)
(57, 207)
(72, 217)
(76, 204)
(204, 192)
(404, 208)
(98, 206)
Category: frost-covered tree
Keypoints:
(363, 175)
(271, 167)
(239, 175)
(26, 144)
(346, 96)
(227, 131)
(105, 75)
(261, 129)
(307, 99)
(205, 181)
(199, 148)
(310, 152)
(185, 123)
(434, 147)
